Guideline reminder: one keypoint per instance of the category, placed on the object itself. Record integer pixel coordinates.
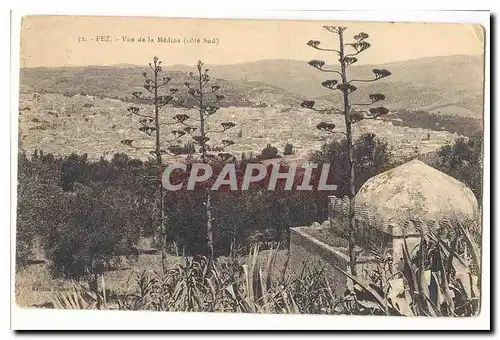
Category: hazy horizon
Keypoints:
(52, 41)
(118, 64)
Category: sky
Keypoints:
(52, 41)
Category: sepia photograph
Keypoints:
(313, 167)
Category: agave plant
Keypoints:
(78, 297)
(255, 286)
(438, 278)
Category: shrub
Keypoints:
(92, 226)
(240, 215)
(371, 155)
(466, 126)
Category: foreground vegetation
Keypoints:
(437, 278)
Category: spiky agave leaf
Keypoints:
(445, 285)
(350, 60)
(313, 43)
(200, 139)
(378, 111)
(366, 287)
(182, 117)
(308, 104)
(474, 250)
(361, 36)
(227, 125)
(317, 63)
(345, 87)
(375, 97)
(127, 142)
(330, 84)
(326, 126)
(356, 117)
(381, 73)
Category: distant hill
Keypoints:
(451, 85)
(427, 83)
(119, 82)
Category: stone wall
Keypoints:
(305, 250)
(309, 251)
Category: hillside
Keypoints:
(450, 85)
(434, 84)
(118, 82)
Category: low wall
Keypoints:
(305, 250)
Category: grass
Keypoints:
(253, 283)
(35, 286)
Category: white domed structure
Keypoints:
(413, 191)
(393, 209)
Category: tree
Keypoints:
(207, 101)
(464, 161)
(371, 157)
(351, 115)
(86, 230)
(74, 168)
(36, 191)
(151, 124)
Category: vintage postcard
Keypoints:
(250, 166)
